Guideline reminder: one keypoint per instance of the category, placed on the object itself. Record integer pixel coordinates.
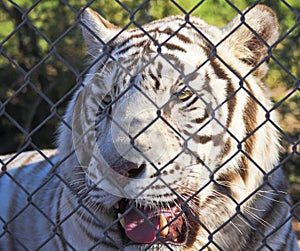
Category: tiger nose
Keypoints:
(129, 169)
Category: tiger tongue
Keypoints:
(142, 226)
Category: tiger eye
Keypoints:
(184, 95)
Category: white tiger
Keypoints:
(170, 145)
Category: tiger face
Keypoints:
(171, 125)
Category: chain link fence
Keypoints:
(42, 59)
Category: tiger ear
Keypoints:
(250, 40)
(96, 30)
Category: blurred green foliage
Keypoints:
(41, 51)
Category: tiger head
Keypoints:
(173, 127)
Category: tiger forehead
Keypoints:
(162, 54)
(164, 74)
(160, 86)
(172, 33)
(176, 25)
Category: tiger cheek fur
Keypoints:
(178, 143)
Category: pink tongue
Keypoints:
(138, 228)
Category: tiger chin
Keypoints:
(170, 144)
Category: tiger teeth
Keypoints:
(122, 221)
(163, 224)
(117, 206)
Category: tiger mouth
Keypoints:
(144, 225)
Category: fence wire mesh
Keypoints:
(42, 61)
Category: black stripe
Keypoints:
(88, 234)
(125, 49)
(226, 149)
(231, 100)
(138, 35)
(187, 133)
(140, 44)
(243, 167)
(159, 69)
(192, 109)
(157, 82)
(180, 36)
(80, 214)
(183, 38)
(192, 102)
(174, 47)
(249, 119)
(231, 103)
(207, 48)
(129, 39)
(201, 120)
(225, 178)
(204, 139)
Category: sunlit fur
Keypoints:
(225, 179)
